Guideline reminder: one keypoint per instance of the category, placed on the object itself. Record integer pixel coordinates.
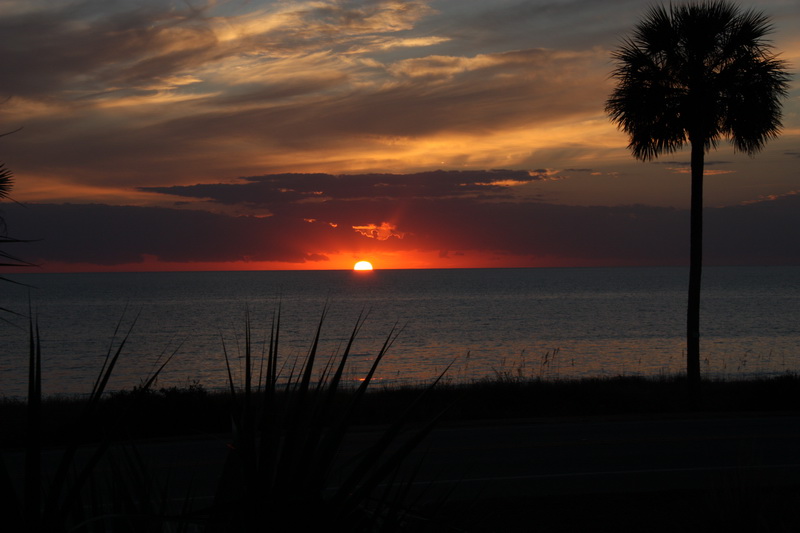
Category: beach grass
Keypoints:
(287, 436)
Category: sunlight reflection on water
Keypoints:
(591, 322)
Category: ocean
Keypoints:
(549, 323)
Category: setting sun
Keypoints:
(363, 265)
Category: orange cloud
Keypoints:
(383, 232)
(706, 172)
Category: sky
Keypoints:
(231, 135)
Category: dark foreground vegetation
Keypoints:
(178, 413)
(285, 460)
(196, 411)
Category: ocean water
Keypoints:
(550, 323)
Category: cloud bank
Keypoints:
(311, 229)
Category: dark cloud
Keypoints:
(50, 50)
(110, 235)
(760, 233)
(545, 23)
(621, 235)
(765, 233)
(279, 190)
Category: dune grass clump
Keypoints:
(66, 497)
(285, 461)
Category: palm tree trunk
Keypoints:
(695, 274)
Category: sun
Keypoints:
(362, 265)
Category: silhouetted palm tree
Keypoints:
(696, 73)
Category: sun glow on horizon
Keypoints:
(362, 265)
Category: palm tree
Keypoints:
(696, 73)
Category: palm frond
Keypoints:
(6, 181)
(701, 71)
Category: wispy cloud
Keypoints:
(684, 167)
(770, 197)
(170, 91)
